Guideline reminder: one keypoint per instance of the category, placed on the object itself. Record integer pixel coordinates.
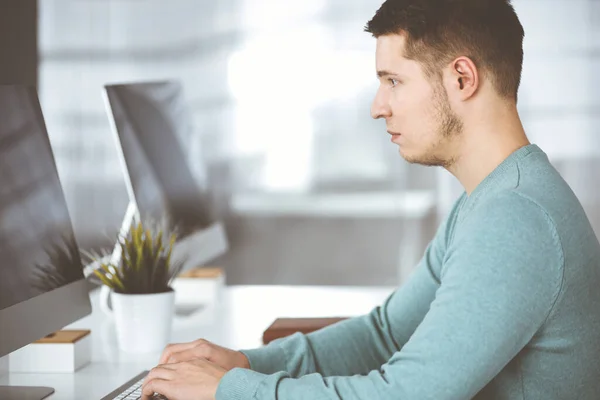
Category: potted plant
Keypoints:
(139, 287)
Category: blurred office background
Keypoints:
(310, 188)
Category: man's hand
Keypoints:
(223, 357)
(193, 380)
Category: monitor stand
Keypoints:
(24, 392)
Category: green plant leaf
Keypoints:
(114, 278)
(104, 279)
(145, 263)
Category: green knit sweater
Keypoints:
(505, 304)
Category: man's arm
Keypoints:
(359, 345)
(353, 346)
(499, 285)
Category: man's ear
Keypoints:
(462, 78)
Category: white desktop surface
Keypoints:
(236, 320)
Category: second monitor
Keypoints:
(149, 119)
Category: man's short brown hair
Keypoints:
(437, 31)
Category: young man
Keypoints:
(505, 303)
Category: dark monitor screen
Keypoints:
(149, 119)
(38, 251)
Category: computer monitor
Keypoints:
(42, 286)
(149, 121)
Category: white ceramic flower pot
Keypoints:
(142, 321)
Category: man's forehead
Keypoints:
(390, 53)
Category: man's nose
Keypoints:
(380, 107)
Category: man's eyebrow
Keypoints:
(384, 73)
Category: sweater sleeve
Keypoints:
(358, 345)
(499, 284)
(353, 346)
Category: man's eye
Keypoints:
(393, 82)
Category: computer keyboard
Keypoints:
(132, 390)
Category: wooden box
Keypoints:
(62, 351)
(283, 327)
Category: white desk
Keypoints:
(236, 321)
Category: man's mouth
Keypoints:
(395, 137)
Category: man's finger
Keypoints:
(156, 386)
(179, 356)
(201, 362)
(167, 372)
(170, 367)
(174, 348)
(189, 354)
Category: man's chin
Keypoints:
(426, 161)
(410, 158)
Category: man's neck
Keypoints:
(485, 147)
